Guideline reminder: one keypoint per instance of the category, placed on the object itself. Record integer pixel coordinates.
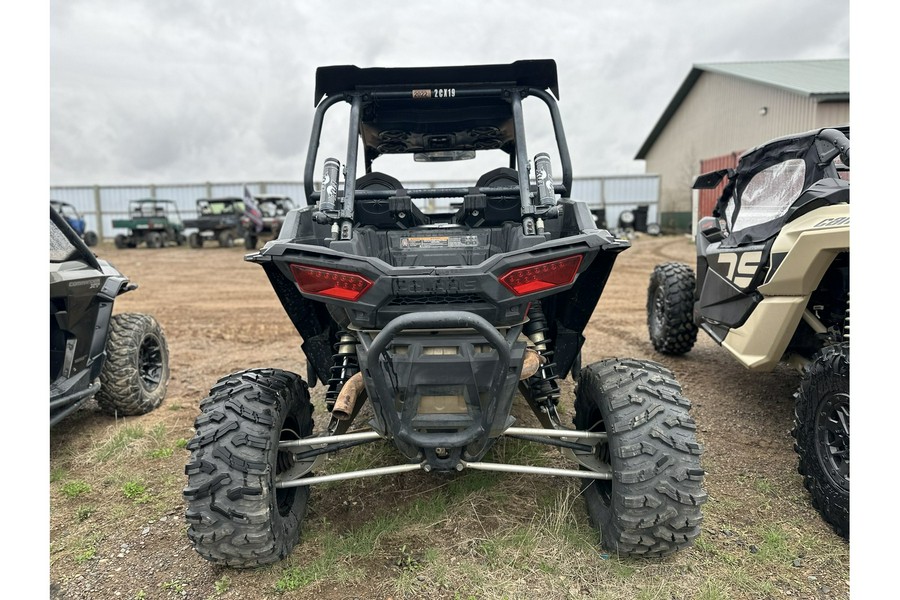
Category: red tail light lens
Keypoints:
(541, 276)
(331, 282)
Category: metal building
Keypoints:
(722, 108)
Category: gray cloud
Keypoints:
(171, 91)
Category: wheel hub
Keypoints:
(150, 362)
(659, 308)
(833, 437)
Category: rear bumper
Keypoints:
(442, 380)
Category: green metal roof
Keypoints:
(807, 77)
(822, 80)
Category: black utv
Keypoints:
(219, 220)
(121, 360)
(438, 320)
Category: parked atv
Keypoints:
(219, 220)
(156, 223)
(274, 209)
(122, 360)
(438, 320)
(773, 284)
(76, 221)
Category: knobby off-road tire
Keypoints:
(135, 375)
(237, 517)
(226, 239)
(195, 240)
(822, 435)
(651, 506)
(154, 240)
(250, 241)
(121, 241)
(90, 238)
(670, 308)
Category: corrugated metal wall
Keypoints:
(101, 204)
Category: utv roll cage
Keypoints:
(465, 108)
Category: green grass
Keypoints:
(176, 585)
(84, 512)
(222, 584)
(85, 555)
(136, 492)
(120, 443)
(161, 453)
(87, 548)
(713, 590)
(74, 489)
(774, 546)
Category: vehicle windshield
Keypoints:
(61, 249)
(769, 194)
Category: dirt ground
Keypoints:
(220, 315)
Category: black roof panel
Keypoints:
(344, 78)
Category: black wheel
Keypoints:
(651, 506)
(135, 375)
(180, 239)
(195, 240)
(154, 240)
(236, 514)
(226, 239)
(90, 238)
(250, 241)
(121, 241)
(822, 434)
(670, 308)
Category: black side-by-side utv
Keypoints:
(121, 360)
(438, 320)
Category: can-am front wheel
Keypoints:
(670, 308)
(822, 433)
(237, 515)
(135, 375)
(651, 506)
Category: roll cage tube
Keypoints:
(514, 95)
(834, 142)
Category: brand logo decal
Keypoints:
(93, 283)
(835, 222)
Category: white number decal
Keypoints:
(746, 266)
(444, 92)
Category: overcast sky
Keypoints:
(167, 91)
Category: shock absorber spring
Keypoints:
(344, 365)
(543, 384)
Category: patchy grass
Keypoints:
(74, 489)
(122, 441)
(136, 492)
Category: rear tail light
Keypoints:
(541, 276)
(331, 282)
